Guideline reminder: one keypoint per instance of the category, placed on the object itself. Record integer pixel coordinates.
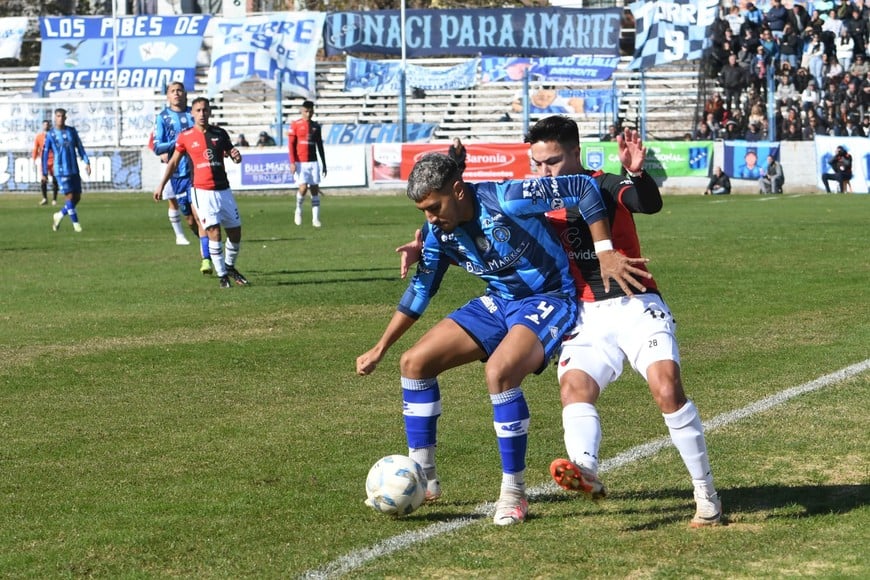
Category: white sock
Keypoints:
(582, 434)
(175, 221)
(232, 251)
(513, 483)
(687, 433)
(315, 208)
(215, 250)
(299, 199)
(425, 456)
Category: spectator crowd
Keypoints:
(815, 53)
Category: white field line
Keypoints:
(356, 559)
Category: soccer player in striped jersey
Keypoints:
(498, 232)
(62, 143)
(168, 125)
(305, 143)
(613, 328)
(212, 198)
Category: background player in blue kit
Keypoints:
(498, 232)
(170, 122)
(63, 143)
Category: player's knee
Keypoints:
(577, 387)
(412, 365)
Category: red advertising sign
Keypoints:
(485, 161)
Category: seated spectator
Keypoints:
(812, 128)
(859, 66)
(792, 132)
(801, 79)
(715, 106)
(720, 183)
(702, 132)
(241, 141)
(773, 178)
(732, 131)
(715, 127)
(753, 133)
(853, 127)
(832, 69)
(810, 97)
(841, 164)
(612, 132)
(786, 95)
(265, 140)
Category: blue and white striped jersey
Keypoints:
(167, 127)
(64, 144)
(509, 244)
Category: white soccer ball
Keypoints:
(395, 485)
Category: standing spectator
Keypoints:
(790, 46)
(841, 163)
(213, 200)
(720, 183)
(735, 20)
(265, 140)
(773, 178)
(458, 154)
(754, 17)
(63, 143)
(845, 48)
(857, 27)
(812, 58)
(758, 71)
(305, 143)
(732, 79)
(38, 146)
(798, 18)
(776, 18)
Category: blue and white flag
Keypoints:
(132, 52)
(567, 69)
(277, 47)
(11, 34)
(672, 30)
(383, 76)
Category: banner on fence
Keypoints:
(663, 158)
(383, 76)
(97, 52)
(111, 170)
(567, 69)
(278, 47)
(672, 30)
(484, 162)
(368, 133)
(269, 168)
(11, 35)
(747, 159)
(497, 32)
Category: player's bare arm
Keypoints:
(171, 166)
(367, 362)
(410, 253)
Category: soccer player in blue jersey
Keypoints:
(498, 232)
(63, 143)
(170, 122)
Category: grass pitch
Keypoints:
(154, 425)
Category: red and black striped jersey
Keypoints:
(206, 151)
(305, 141)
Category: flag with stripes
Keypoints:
(668, 31)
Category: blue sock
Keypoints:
(70, 210)
(203, 246)
(421, 408)
(511, 421)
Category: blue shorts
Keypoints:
(69, 184)
(181, 186)
(489, 318)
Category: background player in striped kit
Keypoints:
(63, 144)
(305, 143)
(168, 125)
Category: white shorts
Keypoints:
(640, 330)
(308, 172)
(216, 208)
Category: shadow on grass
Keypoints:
(770, 501)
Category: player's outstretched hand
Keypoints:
(620, 268)
(366, 363)
(632, 153)
(410, 253)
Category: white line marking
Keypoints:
(356, 559)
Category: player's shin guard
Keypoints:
(582, 434)
(232, 252)
(687, 433)
(215, 250)
(421, 400)
(511, 422)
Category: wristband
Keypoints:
(603, 246)
(632, 174)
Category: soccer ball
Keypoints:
(395, 485)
